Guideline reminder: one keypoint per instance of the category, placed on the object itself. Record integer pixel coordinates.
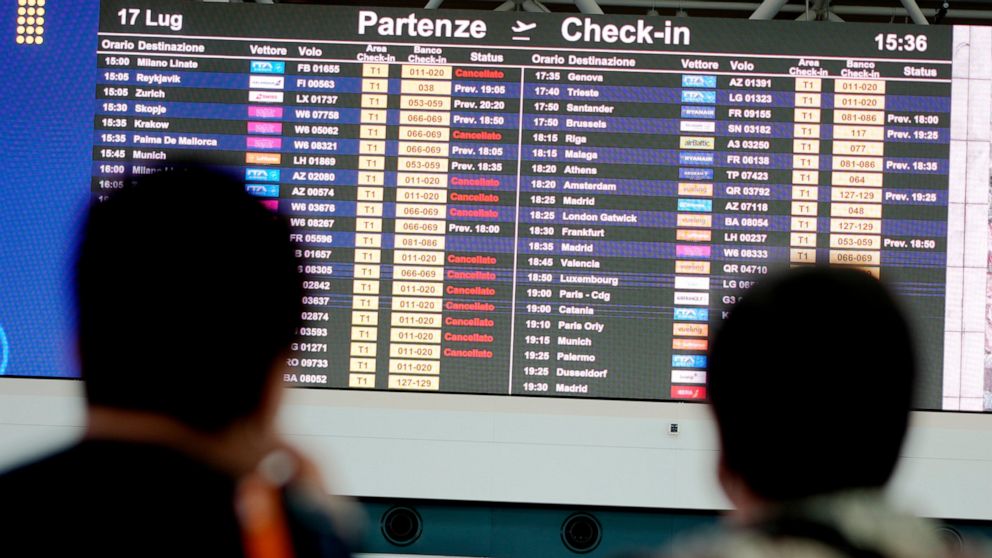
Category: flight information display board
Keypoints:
(537, 204)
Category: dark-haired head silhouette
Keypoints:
(188, 292)
(811, 380)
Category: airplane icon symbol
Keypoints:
(522, 27)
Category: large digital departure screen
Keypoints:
(563, 205)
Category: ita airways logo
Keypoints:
(4, 351)
(520, 28)
(31, 16)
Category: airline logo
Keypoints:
(263, 158)
(265, 112)
(688, 361)
(695, 174)
(691, 283)
(688, 392)
(691, 251)
(696, 267)
(695, 205)
(689, 345)
(265, 96)
(266, 82)
(263, 190)
(256, 142)
(697, 127)
(688, 376)
(695, 189)
(693, 235)
(699, 97)
(271, 128)
(691, 314)
(265, 175)
(693, 142)
(692, 299)
(271, 205)
(680, 329)
(689, 220)
(267, 67)
(698, 112)
(706, 82)
(695, 158)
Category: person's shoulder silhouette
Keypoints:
(188, 295)
(811, 378)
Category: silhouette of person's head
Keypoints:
(188, 293)
(811, 380)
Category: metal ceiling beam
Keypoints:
(820, 8)
(882, 11)
(915, 13)
(830, 16)
(534, 6)
(768, 9)
(717, 6)
(588, 7)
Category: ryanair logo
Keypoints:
(695, 158)
(698, 112)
